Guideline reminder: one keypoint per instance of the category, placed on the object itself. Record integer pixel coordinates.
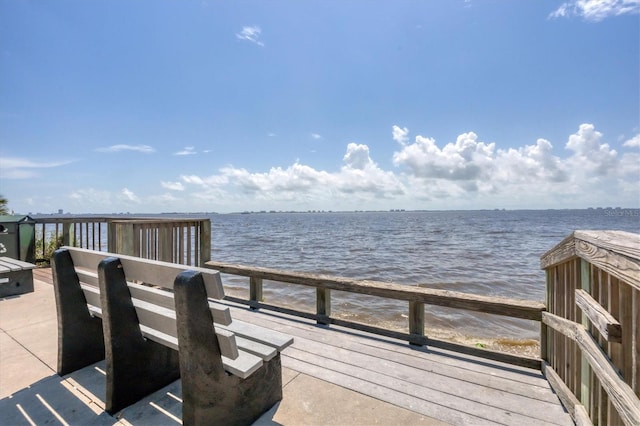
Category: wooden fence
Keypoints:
(590, 334)
(417, 298)
(183, 241)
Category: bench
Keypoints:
(16, 277)
(154, 322)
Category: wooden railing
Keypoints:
(590, 336)
(183, 241)
(417, 298)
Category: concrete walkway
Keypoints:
(31, 392)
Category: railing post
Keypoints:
(544, 331)
(255, 291)
(323, 305)
(165, 243)
(416, 323)
(67, 234)
(205, 241)
(585, 373)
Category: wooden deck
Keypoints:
(443, 385)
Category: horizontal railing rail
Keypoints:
(590, 336)
(417, 298)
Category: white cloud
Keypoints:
(188, 150)
(590, 153)
(316, 136)
(400, 135)
(251, 34)
(146, 149)
(464, 173)
(463, 160)
(634, 142)
(596, 10)
(174, 186)
(592, 171)
(128, 195)
(24, 168)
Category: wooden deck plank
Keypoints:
(474, 369)
(499, 399)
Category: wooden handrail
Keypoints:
(516, 308)
(416, 296)
(590, 333)
(622, 396)
(616, 252)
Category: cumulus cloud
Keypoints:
(146, 149)
(251, 34)
(400, 135)
(634, 142)
(467, 172)
(174, 186)
(188, 150)
(24, 168)
(316, 136)
(465, 159)
(472, 167)
(590, 153)
(596, 10)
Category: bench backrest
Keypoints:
(155, 306)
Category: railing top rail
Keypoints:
(71, 219)
(525, 309)
(616, 252)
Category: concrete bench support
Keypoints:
(209, 395)
(136, 367)
(80, 338)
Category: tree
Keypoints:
(3, 205)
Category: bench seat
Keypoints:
(16, 277)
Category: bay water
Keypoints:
(493, 253)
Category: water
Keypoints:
(494, 253)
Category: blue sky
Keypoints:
(164, 106)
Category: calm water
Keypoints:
(484, 252)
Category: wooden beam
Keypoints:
(621, 395)
(567, 398)
(606, 324)
(416, 322)
(323, 305)
(525, 309)
(561, 253)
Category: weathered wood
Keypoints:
(323, 305)
(606, 324)
(416, 322)
(524, 309)
(566, 396)
(622, 267)
(151, 271)
(255, 289)
(561, 253)
(622, 396)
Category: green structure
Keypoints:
(18, 237)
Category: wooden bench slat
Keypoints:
(150, 271)
(221, 314)
(265, 352)
(242, 366)
(18, 265)
(92, 295)
(260, 334)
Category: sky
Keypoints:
(223, 106)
